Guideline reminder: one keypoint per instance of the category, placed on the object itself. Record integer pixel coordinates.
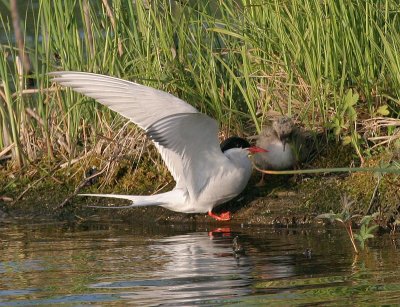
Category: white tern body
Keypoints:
(186, 139)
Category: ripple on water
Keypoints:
(162, 265)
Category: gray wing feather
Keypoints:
(141, 104)
(186, 139)
(194, 137)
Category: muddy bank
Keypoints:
(273, 205)
(283, 201)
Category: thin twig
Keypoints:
(7, 149)
(351, 235)
(34, 115)
(158, 189)
(80, 186)
(49, 174)
(73, 161)
(5, 198)
(34, 91)
(391, 170)
(373, 196)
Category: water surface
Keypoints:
(169, 265)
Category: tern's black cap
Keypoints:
(234, 142)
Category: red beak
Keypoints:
(255, 149)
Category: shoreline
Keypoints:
(285, 201)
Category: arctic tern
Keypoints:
(187, 140)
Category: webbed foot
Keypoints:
(224, 216)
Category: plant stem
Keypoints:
(349, 230)
(392, 170)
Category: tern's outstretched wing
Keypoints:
(183, 136)
(141, 104)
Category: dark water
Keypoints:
(117, 264)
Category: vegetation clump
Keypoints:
(332, 66)
(346, 218)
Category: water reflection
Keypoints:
(194, 266)
(169, 265)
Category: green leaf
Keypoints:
(339, 219)
(366, 219)
(227, 32)
(372, 228)
(350, 99)
(383, 110)
(352, 113)
(346, 140)
(329, 215)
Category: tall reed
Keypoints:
(238, 61)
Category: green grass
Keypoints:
(238, 61)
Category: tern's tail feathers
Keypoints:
(171, 200)
(137, 200)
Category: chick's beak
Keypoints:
(284, 144)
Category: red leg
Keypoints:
(224, 216)
(261, 183)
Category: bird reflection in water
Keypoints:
(199, 267)
(196, 266)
